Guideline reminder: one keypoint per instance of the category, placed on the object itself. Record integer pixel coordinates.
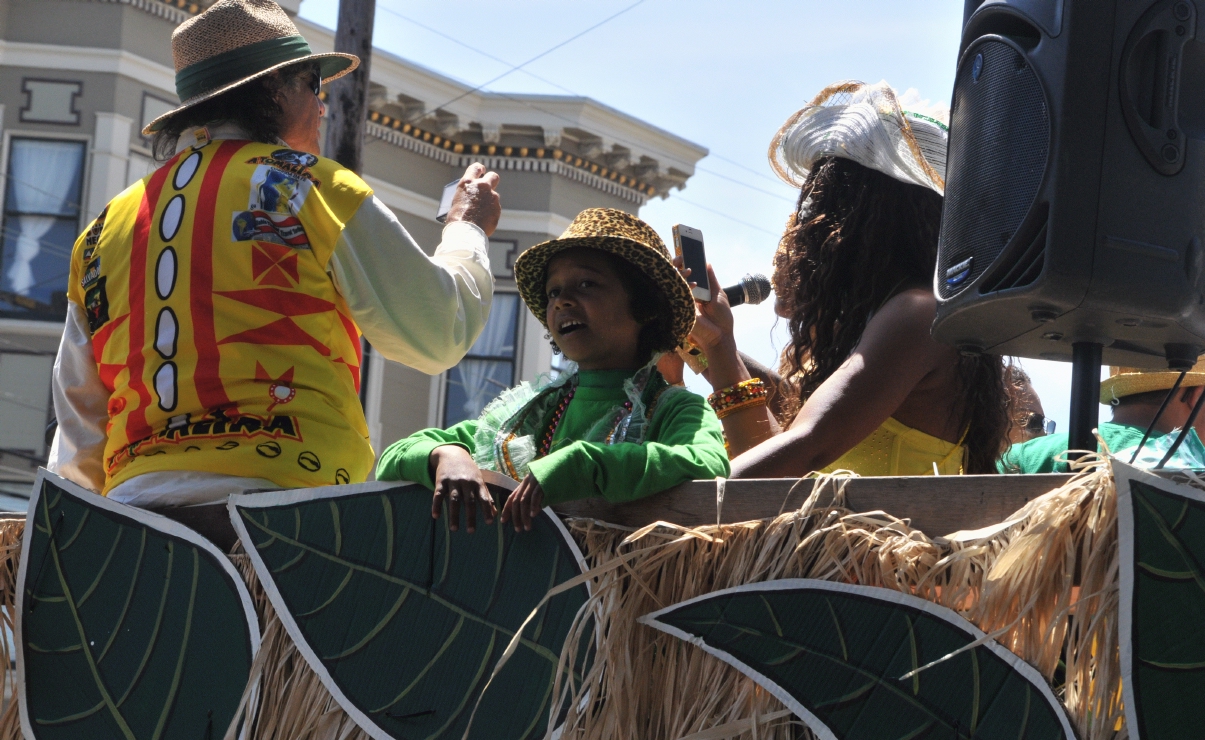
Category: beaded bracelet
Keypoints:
(743, 395)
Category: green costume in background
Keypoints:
(682, 441)
(1038, 455)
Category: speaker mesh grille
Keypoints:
(999, 139)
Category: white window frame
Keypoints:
(437, 404)
(85, 172)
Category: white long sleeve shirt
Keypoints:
(422, 311)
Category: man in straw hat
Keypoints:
(212, 340)
(1135, 396)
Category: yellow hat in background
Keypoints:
(1130, 381)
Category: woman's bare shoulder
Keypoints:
(910, 312)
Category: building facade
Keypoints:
(80, 78)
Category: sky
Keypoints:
(721, 74)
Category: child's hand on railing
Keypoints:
(458, 479)
(524, 504)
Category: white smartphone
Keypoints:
(445, 201)
(688, 244)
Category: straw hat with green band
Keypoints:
(618, 233)
(1130, 381)
(235, 42)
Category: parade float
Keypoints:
(968, 606)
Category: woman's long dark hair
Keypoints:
(857, 238)
(252, 106)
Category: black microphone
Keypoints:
(752, 290)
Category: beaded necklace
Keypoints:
(546, 442)
(618, 432)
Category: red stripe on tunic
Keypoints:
(354, 370)
(353, 336)
(102, 336)
(136, 424)
(283, 302)
(284, 332)
(207, 376)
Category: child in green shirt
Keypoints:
(611, 426)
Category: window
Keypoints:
(25, 407)
(503, 253)
(152, 108)
(489, 367)
(41, 222)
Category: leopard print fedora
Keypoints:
(622, 235)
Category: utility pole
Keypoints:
(347, 98)
(347, 109)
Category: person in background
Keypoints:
(863, 385)
(1135, 396)
(212, 343)
(1028, 420)
(611, 426)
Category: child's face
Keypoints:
(589, 313)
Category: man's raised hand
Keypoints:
(476, 199)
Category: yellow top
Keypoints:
(221, 339)
(896, 449)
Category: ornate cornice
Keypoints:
(174, 11)
(625, 170)
(528, 159)
(506, 158)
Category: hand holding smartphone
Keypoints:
(688, 244)
(473, 198)
(445, 201)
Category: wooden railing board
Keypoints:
(937, 505)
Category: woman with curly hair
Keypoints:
(862, 386)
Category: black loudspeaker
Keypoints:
(1075, 182)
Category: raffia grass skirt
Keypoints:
(1044, 583)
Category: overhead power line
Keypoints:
(725, 215)
(474, 49)
(713, 173)
(547, 81)
(542, 54)
(762, 175)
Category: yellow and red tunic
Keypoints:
(216, 329)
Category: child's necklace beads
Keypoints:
(546, 442)
(624, 415)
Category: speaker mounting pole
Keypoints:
(1085, 395)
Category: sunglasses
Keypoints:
(1038, 424)
(311, 77)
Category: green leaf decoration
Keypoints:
(1161, 624)
(129, 625)
(404, 620)
(839, 657)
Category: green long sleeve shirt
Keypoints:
(684, 442)
(1038, 455)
